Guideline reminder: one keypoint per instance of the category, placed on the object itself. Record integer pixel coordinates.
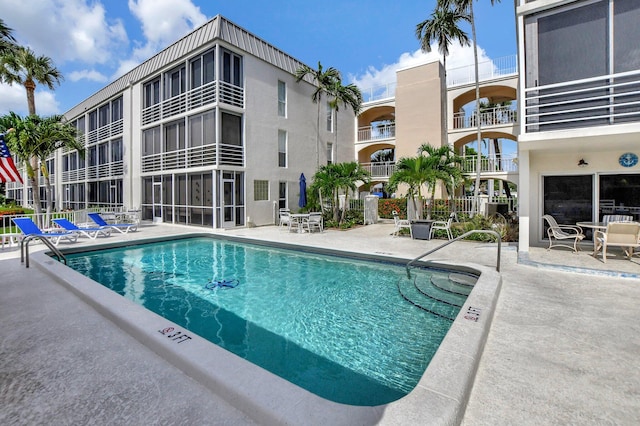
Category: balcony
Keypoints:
(599, 101)
(376, 93)
(487, 70)
(222, 91)
(380, 170)
(374, 133)
(493, 117)
(488, 165)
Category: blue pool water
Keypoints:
(335, 326)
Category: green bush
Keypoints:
(387, 205)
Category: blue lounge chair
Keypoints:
(123, 228)
(92, 233)
(29, 228)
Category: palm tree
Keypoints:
(7, 41)
(346, 95)
(22, 66)
(53, 133)
(442, 27)
(444, 166)
(324, 80)
(37, 137)
(349, 174)
(466, 6)
(414, 172)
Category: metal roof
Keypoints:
(218, 28)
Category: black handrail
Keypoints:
(474, 231)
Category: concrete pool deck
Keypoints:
(563, 346)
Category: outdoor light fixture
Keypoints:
(582, 163)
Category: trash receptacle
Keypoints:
(421, 229)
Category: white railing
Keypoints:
(502, 164)
(604, 100)
(368, 133)
(104, 132)
(379, 92)
(494, 117)
(487, 70)
(380, 169)
(193, 98)
(191, 157)
(230, 94)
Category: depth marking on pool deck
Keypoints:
(472, 314)
(177, 337)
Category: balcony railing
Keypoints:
(599, 101)
(379, 92)
(104, 132)
(380, 169)
(487, 70)
(369, 133)
(502, 164)
(493, 117)
(225, 92)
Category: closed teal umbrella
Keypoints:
(302, 201)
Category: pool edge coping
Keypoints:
(441, 394)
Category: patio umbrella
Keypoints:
(302, 201)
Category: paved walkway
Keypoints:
(563, 347)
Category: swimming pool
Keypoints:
(338, 327)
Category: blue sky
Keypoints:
(92, 42)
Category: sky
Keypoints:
(93, 42)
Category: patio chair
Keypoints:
(29, 228)
(92, 233)
(123, 228)
(401, 223)
(443, 225)
(285, 218)
(618, 234)
(314, 221)
(608, 218)
(558, 234)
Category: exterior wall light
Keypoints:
(582, 163)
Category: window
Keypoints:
(282, 99)
(202, 129)
(282, 148)
(93, 120)
(103, 115)
(116, 110)
(569, 199)
(103, 153)
(80, 126)
(202, 69)
(116, 150)
(151, 141)
(174, 81)
(152, 93)
(282, 195)
(174, 136)
(260, 190)
(231, 68)
(329, 153)
(329, 118)
(231, 129)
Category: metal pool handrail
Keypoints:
(24, 249)
(473, 231)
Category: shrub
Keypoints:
(387, 205)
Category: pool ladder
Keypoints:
(24, 249)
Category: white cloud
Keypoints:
(67, 30)
(459, 64)
(90, 75)
(14, 98)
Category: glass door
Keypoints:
(157, 202)
(228, 201)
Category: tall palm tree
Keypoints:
(466, 6)
(7, 41)
(22, 66)
(324, 80)
(442, 27)
(348, 95)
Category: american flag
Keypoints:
(8, 171)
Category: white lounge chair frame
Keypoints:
(401, 223)
(443, 225)
(558, 234)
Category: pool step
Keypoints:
(444, 283)
(431, 303)
(463, 279)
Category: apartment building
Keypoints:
(579, 103)
(213, 131)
